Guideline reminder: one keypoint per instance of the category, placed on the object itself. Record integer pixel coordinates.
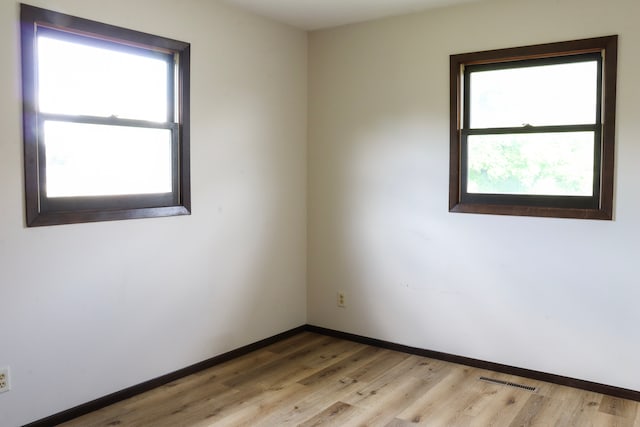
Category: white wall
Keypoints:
(89, 309)
(555, 295)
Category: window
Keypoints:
(532, 130)
(106, 121)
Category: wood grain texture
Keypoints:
(315, 380)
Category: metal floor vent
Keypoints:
(510, 384)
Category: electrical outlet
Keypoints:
(342, 301)
(5, 385)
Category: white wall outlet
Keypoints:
(5, 385)
(342, 300)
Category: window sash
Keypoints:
(560, 201)
(171, 58)
(557, 60)
(135, 201)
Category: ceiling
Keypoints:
(318, 14)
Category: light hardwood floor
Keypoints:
(312, 380)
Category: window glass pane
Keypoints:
(99, 160)
(77, 79)
(551, 164)
(559, 94)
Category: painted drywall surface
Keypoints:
(553, 295)
(89, 309)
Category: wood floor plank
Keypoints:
(381, 364)
(313, 401)
(411, 367)
(582, 415)
(478, 395)
(316, 364)
(269, 411)
(501, 409)
(396, 422)
(318, 355)
(531, 413)
(431, 402)
(319, 396)
(618, 407)
(336, 369)
(336, 414)
(602, 419)
(312, 380)
(295, 342)
(464, 405)
(168, 396)
(392, 402)
(255, 412)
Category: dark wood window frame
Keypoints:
(41, 210)
(600, 206)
